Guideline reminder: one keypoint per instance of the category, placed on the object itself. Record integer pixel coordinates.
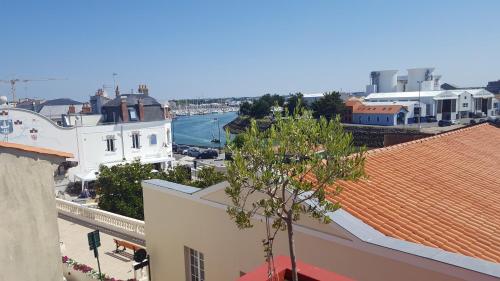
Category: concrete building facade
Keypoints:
(421, 215)
(29, 236)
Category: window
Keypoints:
(465, 104)
(416, 111)
(378, 119)
(135, 140)
(110, 143)
(368, 118)
(439, 106)
(152, 139)
(132, 114)
(387, 118)
(195, 265)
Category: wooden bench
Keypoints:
(125, 245)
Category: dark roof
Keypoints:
(61, 102)
(132, 99)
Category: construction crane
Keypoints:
(13, 83)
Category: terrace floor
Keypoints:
(73, 235)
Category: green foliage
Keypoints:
(329, 106)
(179, 174)
(294, 101)
(208, 176)
(246, 108)
(119, 187)
(238, 140)
(262, 106)
(269, 173)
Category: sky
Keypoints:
(195, 49)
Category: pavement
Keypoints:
(73, 238)
(218, 163)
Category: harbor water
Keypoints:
(199, 130)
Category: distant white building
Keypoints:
(420, 92)
(385, 81)
(132, 127)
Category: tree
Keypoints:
(119, 188)
(294, 101)
(260, 108)
(238, 140)
(329, 105)
(287, 171)
(208, 176)
(245, 108)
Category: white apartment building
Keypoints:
(132, 127)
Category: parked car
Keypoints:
(431, 119)
(193, 152)
(472, 122)
(174, 147)
(182, 149)
(208, 154)
(444, 123)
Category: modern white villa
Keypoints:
(127, 128)
(420, 93)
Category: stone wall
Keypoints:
(378, 136)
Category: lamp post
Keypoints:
(419, 105)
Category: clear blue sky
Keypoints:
(241, 48)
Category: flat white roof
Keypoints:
(432, 94)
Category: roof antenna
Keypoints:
(114, 80)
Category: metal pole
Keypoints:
(220, 141)
(149, 268)
(98, 263)
(419, 105)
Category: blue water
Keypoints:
(198, 130)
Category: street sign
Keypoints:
(94, 239)
(95, 242)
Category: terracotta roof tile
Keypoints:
(36, 149)
(442, 191)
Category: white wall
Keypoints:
(88, 143)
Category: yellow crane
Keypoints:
(13, 83)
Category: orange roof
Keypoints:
(442, 191)
(36, 149)
(353, 102)
(378, 109)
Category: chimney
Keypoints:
(141, 109)
(71, 109)
(86, 108)
(124, 109)
(143, 89)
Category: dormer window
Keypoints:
(132, 114)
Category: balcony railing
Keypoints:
(118, 223)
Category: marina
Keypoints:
(201, 130)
